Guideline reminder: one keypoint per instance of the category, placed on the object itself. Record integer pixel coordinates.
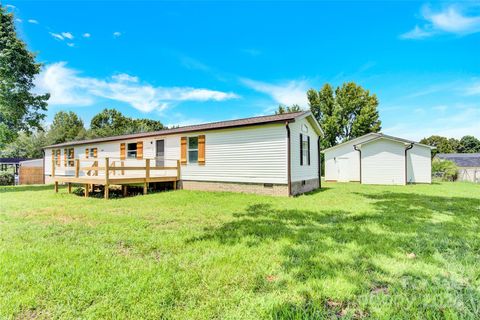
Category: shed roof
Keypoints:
(199, 127)
(12, 160)
(373, 136)
(461, 159)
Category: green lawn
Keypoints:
(349, 251)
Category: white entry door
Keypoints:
(343, 170)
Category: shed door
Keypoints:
(160, 153)
(343, 170)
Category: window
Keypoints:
(132, 150)
(192, 149)
(92, 153)
(69, 157)
(56, 157)
(304, 150)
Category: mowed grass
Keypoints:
(347, 251)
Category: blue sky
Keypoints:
(193, 62)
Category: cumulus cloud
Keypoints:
(117, 34)
(56, 36)
(86, 35)
(288, 93)
(68, 87)
(452, 19)
(32, 21)
(19, 20)
(71, 44)
(67, 35)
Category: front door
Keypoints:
(160, 154)
(343, 170)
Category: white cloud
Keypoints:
(67, 35)
(86, 35)
(33, 21)
(123, 77)
(117, 34)
(71, 44)
(10, 6)
(460, 121)
(56, 36)
(474, 89)
(68, 87)
(19, 20)
(288, 93)
(451, 19)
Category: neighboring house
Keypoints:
(376, 158)
(276, 154)
(31, 172)
(468, 165)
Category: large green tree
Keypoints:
(349, 112)
(442, 144)
(66, 126)
(469, 144)
(20, 109)
(25, 146)
(287, 109)
(111, 122)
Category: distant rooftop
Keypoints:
(461, 159)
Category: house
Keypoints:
(376, 158)
(468, 165)
(274, 155)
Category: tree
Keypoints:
(322, 105)
(25, 146)
(469, 144)
(357, 111)
(111, 122)
(66, 126)
(349, 113)
(442, 144)
(287, 109)
(20, 110)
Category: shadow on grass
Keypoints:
(24, 188)
(329, 245)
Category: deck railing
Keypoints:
(122, 170)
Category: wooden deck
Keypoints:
(91, 176)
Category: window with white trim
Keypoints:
(192, 149)
(132, 150)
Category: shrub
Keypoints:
(6, 178)
(446, 170)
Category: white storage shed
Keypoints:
(376, 158)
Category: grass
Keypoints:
(349, 250)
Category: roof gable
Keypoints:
(461, 159)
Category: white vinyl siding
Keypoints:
(383, 162)
(303, 172)
(255, 154)
(419, 165)
(343, 162)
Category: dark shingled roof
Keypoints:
(199, 127)
(12, 160)
(462, 159)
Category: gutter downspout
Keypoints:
(289, 169)
(43, 165)
(360, 164)
(319, 164)
(406, 162)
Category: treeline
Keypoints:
(467, 144)
(67, 126)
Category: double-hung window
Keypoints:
(132, 150)
(304, 150)
(193, 150)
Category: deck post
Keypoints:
(53, 166)
(77, 168)
(107, 174)
(122, 164)
(124, 190)
(147, 168)
(178, 169)
(69, 187)
(145, 187)
(56, 186)
(86, 190)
